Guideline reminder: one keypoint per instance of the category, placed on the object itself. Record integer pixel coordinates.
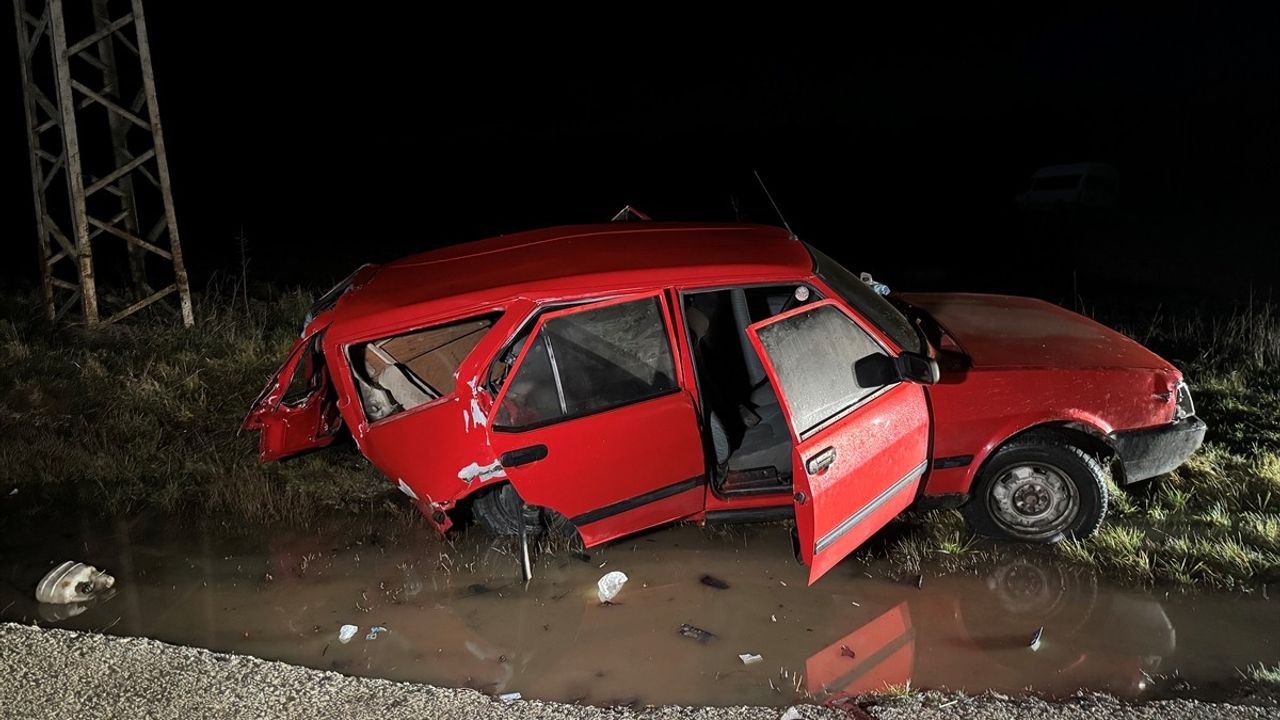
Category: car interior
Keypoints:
(749, 436)
(402, 372)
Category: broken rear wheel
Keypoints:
(499, 510)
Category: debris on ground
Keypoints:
(791, 714)
(73, 582)
(713, 581)
(919, 582)
(1035, 639)
(696, 633)
(346, 632)
(608, 586)
(846, 652)
(374, 632)
(509, 697)
(749, 659)
(13, 492)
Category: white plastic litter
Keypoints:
(346, 632)
(610, 584)
(73, 582)
(790, 714)
(509, 697)
(373, 632)
(749, 659)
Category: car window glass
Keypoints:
(307, 374)
(590, 361)
(813, 353)
(869, 304)
(533, 395)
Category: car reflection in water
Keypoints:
(983, 640)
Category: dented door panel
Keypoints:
(613, 471)
(436, 452)
(297, 410)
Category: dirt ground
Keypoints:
(49, 673)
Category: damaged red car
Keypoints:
(611, 378)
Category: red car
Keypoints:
(626, 375)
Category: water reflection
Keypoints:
(983, 637)
(456, 615)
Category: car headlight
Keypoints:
(1185, 407)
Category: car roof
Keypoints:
(568, 260)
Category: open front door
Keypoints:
(859, 451)
(296, 411)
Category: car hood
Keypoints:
(1007, 331)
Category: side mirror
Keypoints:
(877, 370)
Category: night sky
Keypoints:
(895, 142)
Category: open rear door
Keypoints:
(859, 452)
(296, 411)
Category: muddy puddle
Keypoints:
(457, 615)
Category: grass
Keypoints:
(144, 415)
(1266, 675)
(1215, 522)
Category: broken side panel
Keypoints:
(411, 369)
(297, 410)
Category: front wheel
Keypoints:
(1040, 489)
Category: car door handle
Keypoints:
(523, 456)
(820, 462)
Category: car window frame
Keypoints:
(498, 312)
(540, 318)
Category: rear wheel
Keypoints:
(1040, 488)
(499, 510)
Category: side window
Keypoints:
(588, 361)
(307, 375)
(404, 371)
(813, 354)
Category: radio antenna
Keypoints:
(776, 209)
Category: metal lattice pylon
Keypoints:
(90, 105)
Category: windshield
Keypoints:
(867, 301)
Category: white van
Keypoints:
(1093, 185)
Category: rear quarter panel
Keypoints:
(977, 410)
(429, 447)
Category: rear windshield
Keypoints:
(404, 371)
(866, 301)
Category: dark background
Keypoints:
(897, 142)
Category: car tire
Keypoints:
(1039, 488)
(499, 511)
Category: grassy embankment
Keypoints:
(144, 416)
(1215, 522)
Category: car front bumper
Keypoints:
(1155, 451)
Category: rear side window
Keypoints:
(404, 371)
(308, 374)
(813, 353)
(591, 360)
